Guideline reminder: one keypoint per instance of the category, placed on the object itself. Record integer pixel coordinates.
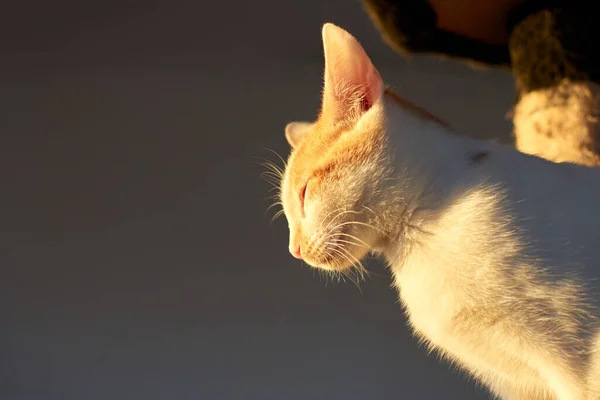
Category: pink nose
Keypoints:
(296, 252)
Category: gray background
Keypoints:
(137, 261)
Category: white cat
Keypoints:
(494, 252)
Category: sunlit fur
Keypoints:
(495, 261)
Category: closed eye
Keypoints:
(302, 196)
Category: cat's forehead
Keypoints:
(318, 142)
(327, 150)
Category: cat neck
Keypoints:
(429, 163)
(424, 149)
(421, 138)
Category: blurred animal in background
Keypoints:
(551, 47)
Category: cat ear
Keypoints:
(295, 131)
(352, 83)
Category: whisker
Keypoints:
(354, 279)
(339, 215)
(277, 203)
(274, 185)
(277, 154)
(369, 209)
(269, 161)
(272, 167)
(272, 170)
(362, 242)
(338, 275)
(277, 215)
(273, 175)
(270, 175)
(323, 276)
(346, 254)
(352, 243)
(351, 259)
(328, 214)
(338, 251)
(358, 223)
(357, 263)
(372, 212)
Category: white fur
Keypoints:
(493, 264)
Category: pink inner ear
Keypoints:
(352, 83)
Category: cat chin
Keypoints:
(333, 263)
(344, 252)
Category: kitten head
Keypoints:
(331, 190)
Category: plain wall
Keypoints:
(137, 260)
